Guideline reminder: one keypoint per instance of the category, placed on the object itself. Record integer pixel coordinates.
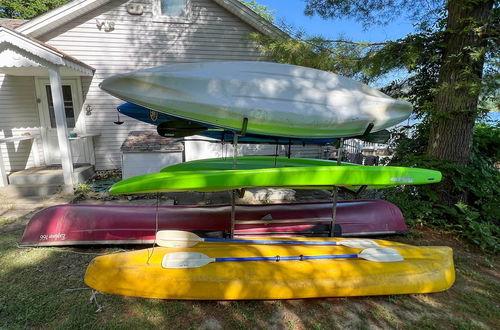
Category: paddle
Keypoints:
(185, 239)
(179, 260)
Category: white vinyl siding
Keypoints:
(138, 163)
(18, 116)
(140, 41)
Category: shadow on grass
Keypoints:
(43, 288)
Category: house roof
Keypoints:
(59, 16)
(63, 14)
(12, 23)
(41, 50)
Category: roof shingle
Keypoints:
(12, 23)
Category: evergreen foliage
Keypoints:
(370, 12)
(314, 52)
(26, 9)
(262, 10)
(420, 57)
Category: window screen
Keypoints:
(172, 7)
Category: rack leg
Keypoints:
(335, 194)
(235, 159)
(335, 190)
(340, 152)
(233, 212)
(235, 149)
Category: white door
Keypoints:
(74, 120)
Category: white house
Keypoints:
(51, 108)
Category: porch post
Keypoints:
(62, 128)
(3, 174)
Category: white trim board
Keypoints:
(19, 41)
(73, 9)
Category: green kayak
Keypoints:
(303, 177)
(250, 163)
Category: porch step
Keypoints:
(26, 190)
(49, 175)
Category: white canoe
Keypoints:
(278, 99)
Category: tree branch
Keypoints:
(357, 43)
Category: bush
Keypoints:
(81, 189)
(477, 216)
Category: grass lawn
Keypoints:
(43, 288)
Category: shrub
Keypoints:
(81, 189)
(477, 216)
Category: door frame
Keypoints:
(43, 109)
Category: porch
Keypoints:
(43, 139)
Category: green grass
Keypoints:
(43, 288)
(6, 221)
(384, 316)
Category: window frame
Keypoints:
(52, 118)
(159, 17)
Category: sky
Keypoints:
(293, 12)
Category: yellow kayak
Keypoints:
(146, 273)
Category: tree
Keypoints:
(262, 10)
(26, 9)
(460, 80)
(313, 52)
(471, 26)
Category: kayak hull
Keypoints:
(301, 177)
(250, 163)
(79, 224)
(276, 99)
(140, 273)
(158, 118)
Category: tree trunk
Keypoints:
(459, 86)
(459, 81)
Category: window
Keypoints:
(68, 106)
(171, 10)
(173, 7)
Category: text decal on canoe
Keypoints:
(58, 236)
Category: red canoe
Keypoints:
(76, 224)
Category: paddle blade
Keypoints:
(177, 239)
(381, 255)
(181, 260)
(358, 243)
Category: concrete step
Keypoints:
(49, 175)
(25, 190)
(43, 177)
(82, 174)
